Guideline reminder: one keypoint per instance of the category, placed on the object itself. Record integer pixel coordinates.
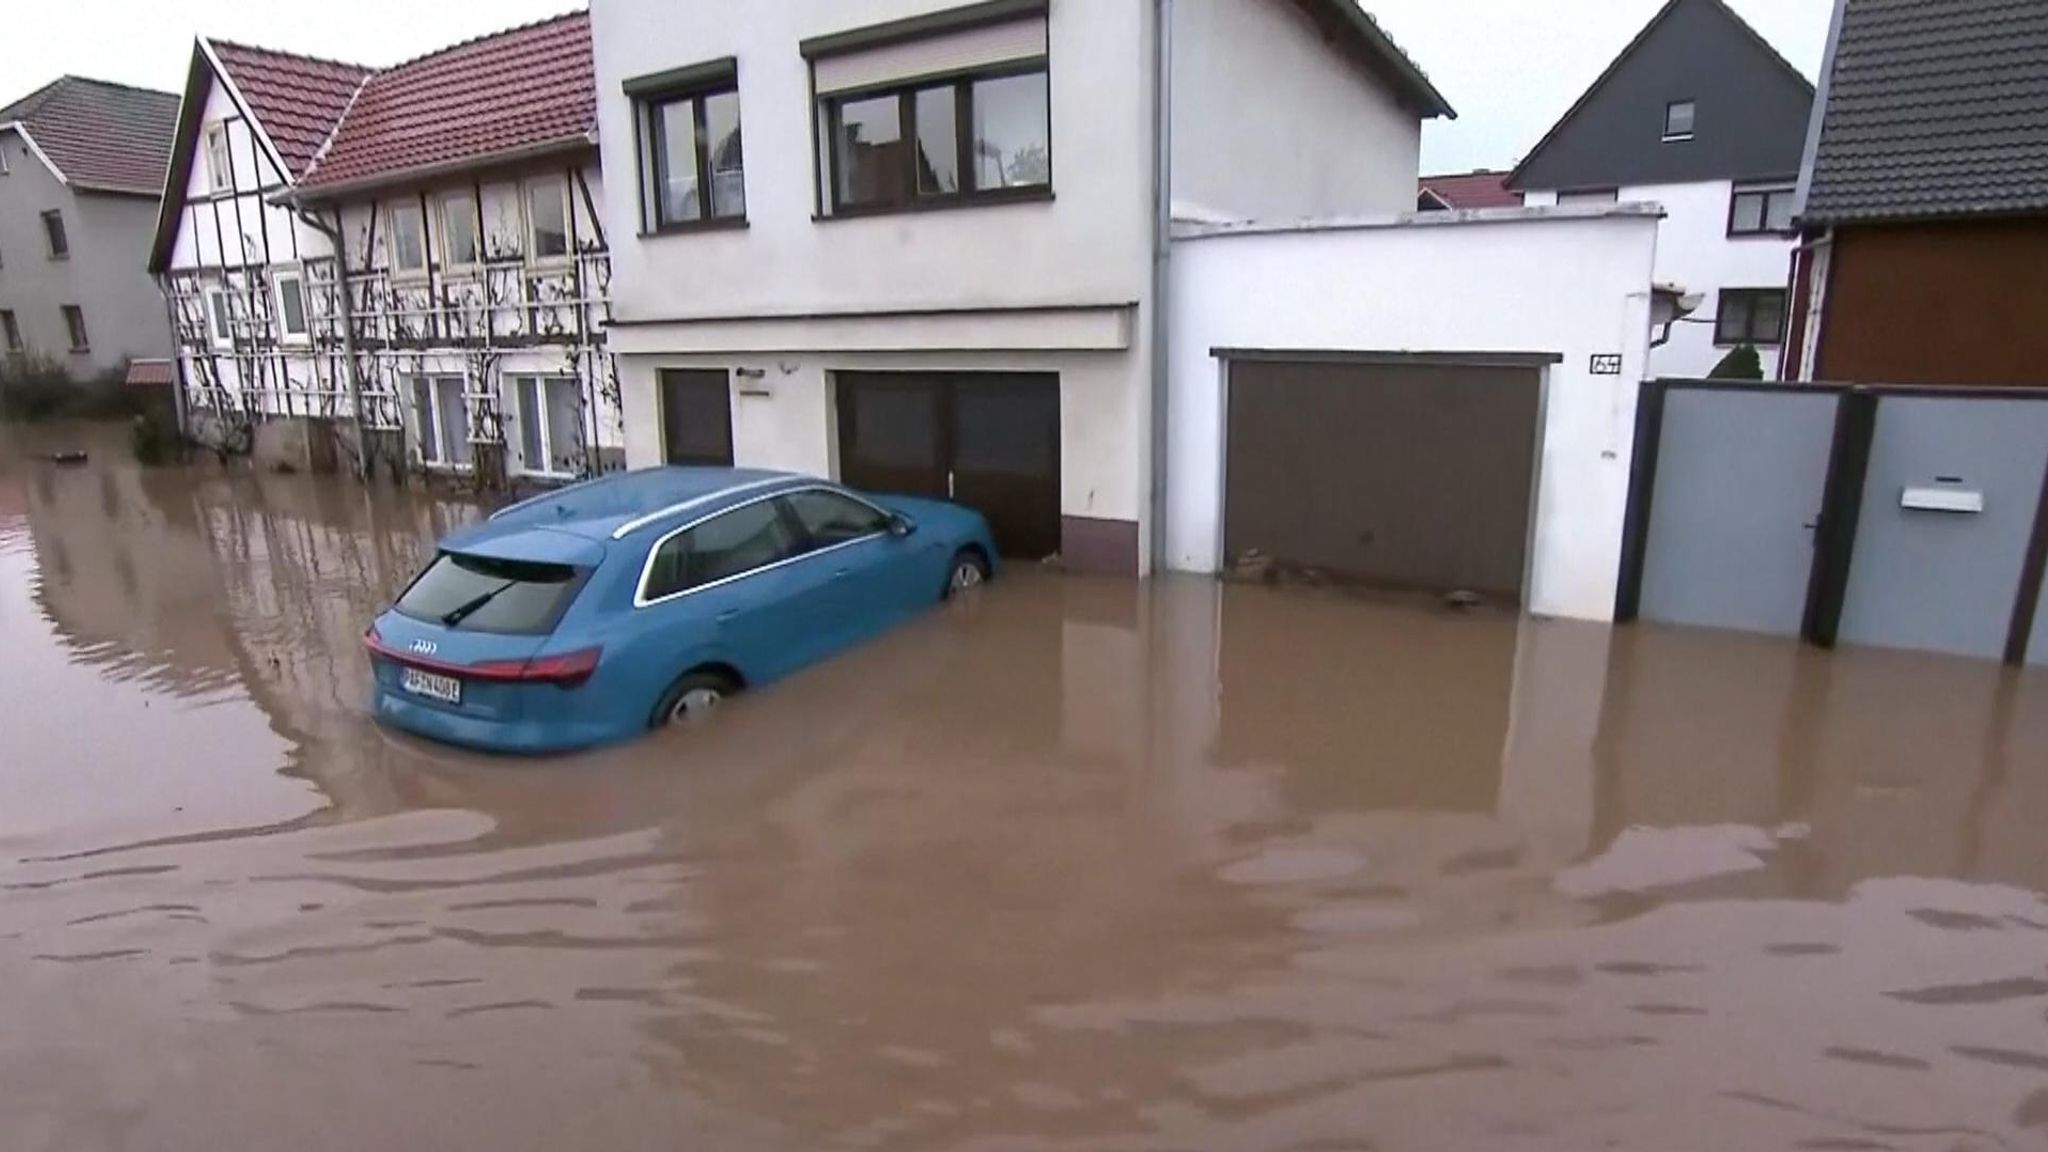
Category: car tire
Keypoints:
(968, 569)
(692, 699)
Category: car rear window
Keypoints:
(523, 597)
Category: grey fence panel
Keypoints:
(1945, 581)
(1738, 487)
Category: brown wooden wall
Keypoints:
(1941, 303)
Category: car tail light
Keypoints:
(568, 670)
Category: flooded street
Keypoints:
(1077, 864)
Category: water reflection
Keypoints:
(1080, 864)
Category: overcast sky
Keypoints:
(1510, 67)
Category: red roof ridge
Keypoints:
(239, 46)
(572, 14)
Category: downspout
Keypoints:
(346, 311)
(1162, 258)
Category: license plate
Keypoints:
(446, 689)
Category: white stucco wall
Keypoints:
(1271, 122)
(1573, 282)
(1695, 252)
(1089, 245)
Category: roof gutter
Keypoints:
(302, 195)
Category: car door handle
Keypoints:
(727, 616)
(842, 573)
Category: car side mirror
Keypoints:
(901, 525)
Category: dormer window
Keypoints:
(1678, 117)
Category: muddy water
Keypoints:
(1077, 865)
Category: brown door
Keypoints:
(1405, 475)
(696, 416)
(988, 440)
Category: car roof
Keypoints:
(613, 506)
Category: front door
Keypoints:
(988, 440)
(696, 416)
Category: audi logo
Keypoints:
(425, 647)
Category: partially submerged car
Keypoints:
(596, 612)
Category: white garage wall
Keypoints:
(1574, 282)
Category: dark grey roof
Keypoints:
(101, 137)
(1751, 109)
(1933, 109)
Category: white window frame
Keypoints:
(220, 158)
(4, 170)
(80, 340)
(473, 211)
(297, 278)
(392, 214)
(220, 318)
(438, 459)
(529, 192)
(540, 382)
(1693, 121)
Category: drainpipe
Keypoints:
(348, 331)
(1162, 256)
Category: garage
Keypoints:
(1404, 471)
(988, 440)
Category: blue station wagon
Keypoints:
(593, 613)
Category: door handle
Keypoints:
(727, 616)
(842, 573)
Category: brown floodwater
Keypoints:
(1077, 864)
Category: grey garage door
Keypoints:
(1405, 475)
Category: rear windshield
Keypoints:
(481, 594)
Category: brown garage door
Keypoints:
(988, 440)
(1399, 474)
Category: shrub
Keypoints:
(36, 388)
(153, 437)
(1741, 363)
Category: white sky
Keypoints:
(1510, 67)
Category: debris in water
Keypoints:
(72, 456)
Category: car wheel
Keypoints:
(692, 699)
(969, 569)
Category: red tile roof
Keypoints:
(297, 99)
(515, 91)
(101, 137)
(1472, 190)
(150, 373)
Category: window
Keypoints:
(408, 239)
(980, 137)
(219, 170)
(526, 598)
(1750, 316)
(291, 306)
(550, 424)
(829, 518)
(440, 414)
(728, 545)
(692, 163)
(1594, 196)
(74, 326)
(1761, 211)
(458, 230)
(53, 231)
(1678, 117)
(547, 212)
(219, 318)
(10, 332)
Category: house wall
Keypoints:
(1090, 245)
(1271, 122)
(1570, 282)
(238, 227)
(1942, 303)
(104, 274)
(1695, 252)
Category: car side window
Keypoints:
(731, 544)
(829, 518)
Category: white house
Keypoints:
(412, 257)
(1702, 117)
(931, 266)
